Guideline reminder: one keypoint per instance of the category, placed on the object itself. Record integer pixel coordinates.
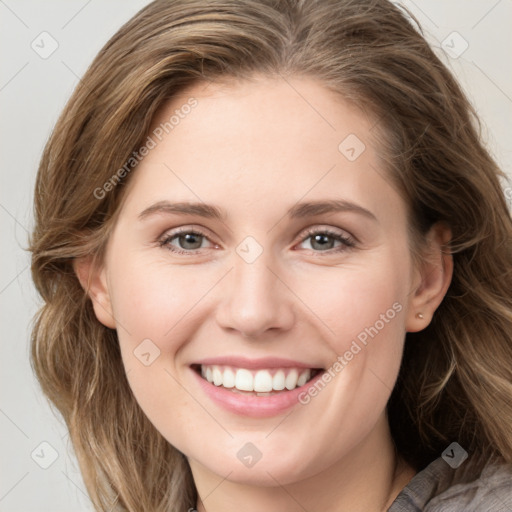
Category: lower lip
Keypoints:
(252, 405)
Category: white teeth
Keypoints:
(228, 378)
(217, 376)
(291, 380)
(303, 378)
(278, 380)
(244, 380)
(262, 382)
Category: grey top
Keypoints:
(441, 488)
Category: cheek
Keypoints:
(362, 311)
(157, 309)
(337, 306)
(156, 300)
(164, 401)
(353, 300)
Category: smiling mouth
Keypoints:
(261, 382)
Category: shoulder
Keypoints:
(441, 488)
(489, 491)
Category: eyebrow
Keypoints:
(299, 210)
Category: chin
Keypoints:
(268, 471)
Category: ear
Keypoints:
(92, 277)
(432, 278)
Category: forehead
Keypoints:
(265, 139)
(261, 108)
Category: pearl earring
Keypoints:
(420, 316)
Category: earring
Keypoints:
(420, 316)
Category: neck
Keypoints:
(367, 479)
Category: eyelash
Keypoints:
(347, 241)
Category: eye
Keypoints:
(324, 240)
(189, 241)
(183, 241)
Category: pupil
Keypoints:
(321, 239)
(189, 239)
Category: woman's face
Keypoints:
(260, 244)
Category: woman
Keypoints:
(337, 335)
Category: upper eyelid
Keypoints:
(301, 237)
(326, 229)
(171, 233)
(204, 231)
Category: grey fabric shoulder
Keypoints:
(440, 488)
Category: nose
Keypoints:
(256, 299)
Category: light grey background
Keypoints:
(33, 90)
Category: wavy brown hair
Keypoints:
(455, 382)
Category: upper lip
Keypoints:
(256, 363)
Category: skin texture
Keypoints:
(255, 149)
